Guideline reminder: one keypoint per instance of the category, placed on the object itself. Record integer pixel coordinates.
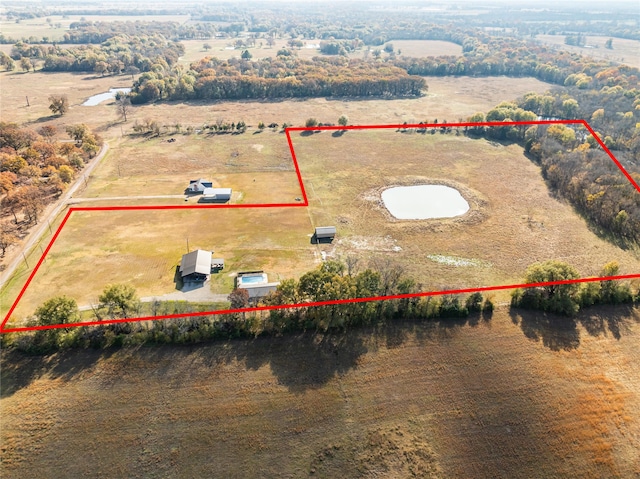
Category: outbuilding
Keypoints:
(325, 233)
(196, 266)
(216, 195)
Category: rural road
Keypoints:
(50, 212)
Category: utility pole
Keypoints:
(187, 244)
(27, 100)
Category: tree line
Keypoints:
(282, 77)
(331, 280)
(35, 167)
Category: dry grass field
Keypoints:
(224, 48)
(59, 25)
(447, 98)
(624, 51)
(143, 248)
(257, 166)
(514, 397)
(514, 220)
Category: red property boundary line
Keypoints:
(305, 203)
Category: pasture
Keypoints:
(55, 26)
(623, 51)
(447, 98)
(224, 48)
(257, 166)
(514, 219)
(143, 248)
(518, 397)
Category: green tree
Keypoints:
(556, 298)
(59, 104)
(246, 55)
(609, 44)
(612, 291)
(57, 310)
(311, 122)
(343, 120)
(119, 299)
(66, 173)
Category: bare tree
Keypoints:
(123, 106)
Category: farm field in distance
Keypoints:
(143, 248)
(624, 50)
(518, 397)
(449, 98)
(224, 49)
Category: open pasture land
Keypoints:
(223, 48)
(58, 25)
(38, 86)
(515, 397)
(258, 167)
(623, 51)
(514, 219)
(143, 248)
(447, 98)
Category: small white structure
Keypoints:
(216, 195)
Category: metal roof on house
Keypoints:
(198, 261)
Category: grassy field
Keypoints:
(143, 248)
(624, 51)
(515, 397)
(514, 220)
(447, 98)
(59, 25)
(224, 48)
(257, 166)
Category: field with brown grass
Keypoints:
(513, 221)
(623, 51)
(257, 166)
(143, 248)
(518, 396)
(224, 48)
(447, 98)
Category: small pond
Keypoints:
(422, 202)
(100, 97)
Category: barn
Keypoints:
(196, 266)
(324, 234)
(216, 195)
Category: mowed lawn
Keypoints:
(514, 219)
(143, 248)
(498, 399)
(258, 167)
